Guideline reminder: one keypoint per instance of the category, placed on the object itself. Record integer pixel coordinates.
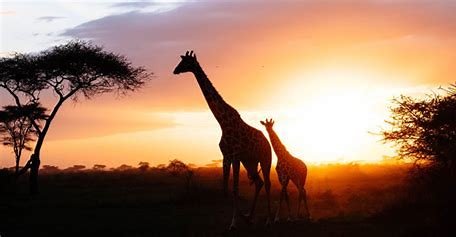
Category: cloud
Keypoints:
(146, 6)
(243, 45)
(49, 18)
(133, 4)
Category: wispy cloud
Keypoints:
(147, 6)
(49, 18)
(133, 4)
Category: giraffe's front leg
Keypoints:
(283, 194)
(228, 155)
(226, 173)
(277, 216)
(236, 167)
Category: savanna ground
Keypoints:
(344, 200)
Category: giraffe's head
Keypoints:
(187, 64)
(268, 124)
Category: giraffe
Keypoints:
(288, 168)
(240, 143)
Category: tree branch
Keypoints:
(16, 97)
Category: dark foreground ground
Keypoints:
(344, 200)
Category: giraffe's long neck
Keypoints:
(279, 148)
(222, 111)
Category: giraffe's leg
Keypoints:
(287, 199)
(284, 183)
(236, 167)
(258, 185)
(300, 198)
(282, 194)
(288, 204)
(267, 187)
(305, 203)
(226, 173)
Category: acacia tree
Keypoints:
(17, 129)
(70, 71)
(424, 131)
(179, 168)
(143, 166)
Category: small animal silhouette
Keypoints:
(240, 143)
(288, 167)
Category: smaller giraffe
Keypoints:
(288, 168)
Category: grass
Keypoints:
(342, 201)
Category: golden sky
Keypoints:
(324, 70)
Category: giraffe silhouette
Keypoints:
(240, 143)
(288, 167)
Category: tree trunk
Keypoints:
(35, 158)
(33, 178)
(17, 166)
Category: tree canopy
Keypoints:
(424, 130)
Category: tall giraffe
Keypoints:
(288, 167)
(240, 143)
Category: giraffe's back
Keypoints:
(291, 168)
(300, 170)
(250, 143)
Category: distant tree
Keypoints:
(214, 164)
(70, 71)
(98, 167)
(16, 127)
(424, 131)
(143, 166)
(50, 169)
(124, 167)
(179, 168)
(161, 166)
(176, 167)
(75, 168)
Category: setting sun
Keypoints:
(329, 115)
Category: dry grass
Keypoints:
(155, 203)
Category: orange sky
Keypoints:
(324, 71)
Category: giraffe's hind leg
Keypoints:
(287, 199)
(258, 185)
(299, 203)
(303, 198)
(305, 203)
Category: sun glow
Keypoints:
(329, 116)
